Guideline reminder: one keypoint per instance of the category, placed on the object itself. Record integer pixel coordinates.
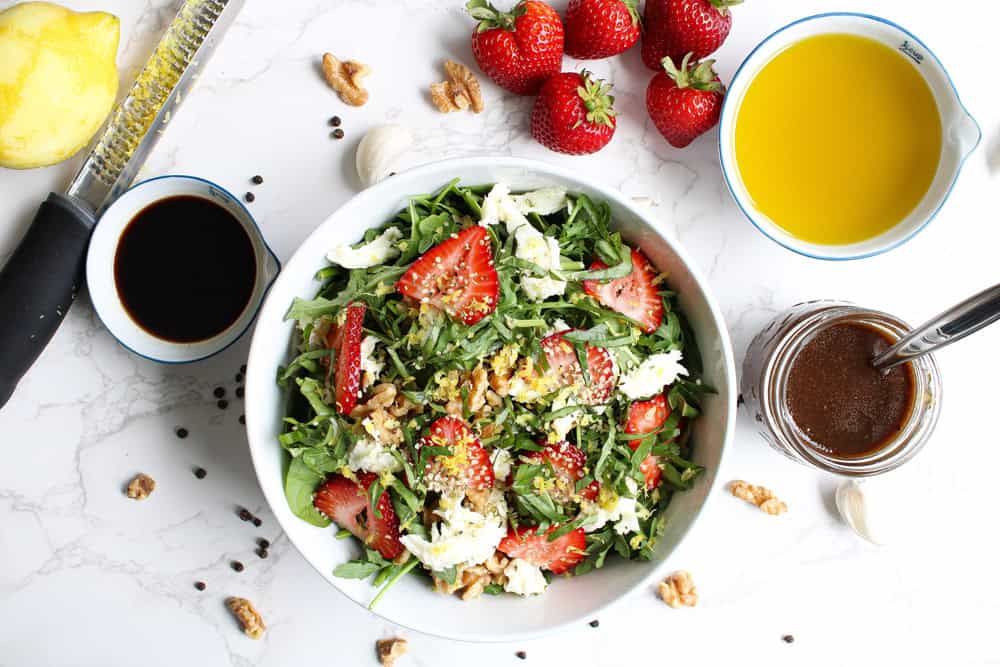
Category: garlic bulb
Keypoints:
(379, 150)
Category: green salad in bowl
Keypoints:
(489, 390)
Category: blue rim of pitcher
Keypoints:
(951, 186)
(263, 294)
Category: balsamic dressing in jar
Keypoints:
(845, 407)
(185, 269)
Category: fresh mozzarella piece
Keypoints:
(624, 512)
(501, 460)
(378, 251)
(371, 366)
(544, 201)
(523, 578)
(491, 204)
(532, 245)
(463, 537)
(560, 426)
(371, 455)
(652, 375)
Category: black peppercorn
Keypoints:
(243, 369)
(223, 404)
(219, 392)
(788, 639)
(238, 566)
(239, 378)
(181, 432)
(335, 121)
(200, 473)
(200, 585)
(263, 544)
(244, 514)
(257, 522)
(239, 392)
(257, 180)
(243, 419)
(523, 655)
(337, 134)
(262, 553)
(594, 623)
(249, 197)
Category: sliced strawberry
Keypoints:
(560, 555)
(647, 417)
(345, 502)
(568, 461)
(467, 467)
(457, 276)
(562, 360)
(634, 296)
(650, 468)
(346, 341)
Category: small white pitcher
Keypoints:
(960, 132)
(101, 273)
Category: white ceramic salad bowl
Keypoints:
(411, 602)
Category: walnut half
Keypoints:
(345, 78)
(461, 90)
(140, 487)
(760, 496)
(389, 650)
(678, 590)
(249, 618)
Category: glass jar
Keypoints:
(766, 371)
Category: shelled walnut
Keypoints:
(140, 487)
(389, 650)
(678, 590)
(345, 77)
(760, 496)
(461, 91)
(248, 616)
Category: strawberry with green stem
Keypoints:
(601, 28)
(685, 102)
(674, 28)
(574, 114)
(519, 49)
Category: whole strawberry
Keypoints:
(601, 28)
(685, 103)
(519, 49)
(674, 28)
(573, 114)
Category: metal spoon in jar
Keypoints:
(953, 324)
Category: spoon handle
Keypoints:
(953, 324)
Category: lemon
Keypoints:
(58, 81)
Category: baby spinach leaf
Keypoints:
(300, 485)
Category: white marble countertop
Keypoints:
(91, 578)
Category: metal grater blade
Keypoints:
(135, 125)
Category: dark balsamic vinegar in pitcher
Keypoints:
(185, 269)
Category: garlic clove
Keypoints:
(853, 508)
(379, 151)
(892, 508)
